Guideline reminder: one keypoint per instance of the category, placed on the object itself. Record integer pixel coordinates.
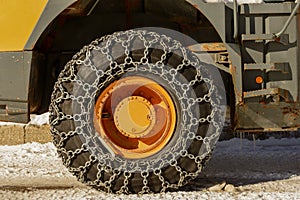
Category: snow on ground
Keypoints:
(34, 120)
(239, 169)
(39, 119)
(262, 158)
(10, 123)
(267, 169)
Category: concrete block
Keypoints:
(11, 135)
(39, 134)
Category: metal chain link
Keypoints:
(85, 91)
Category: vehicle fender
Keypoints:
(51, 11)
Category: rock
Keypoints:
(229, 188)
(217, 187)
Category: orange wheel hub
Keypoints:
(135, 116)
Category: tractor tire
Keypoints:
(135, 112)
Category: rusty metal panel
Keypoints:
(284, 53)
(208, 47)
(14, 75)
(268, 117)
(14, 80)
(14, 111)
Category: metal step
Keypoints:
(284, 38)
(265, 66)
(271, 91)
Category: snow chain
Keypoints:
(107, 161)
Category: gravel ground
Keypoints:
(239, 169)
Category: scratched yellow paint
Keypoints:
(17, 20)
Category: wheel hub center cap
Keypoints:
(134, 117)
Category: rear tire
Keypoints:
(122, 153)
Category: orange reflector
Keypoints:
(259, 80)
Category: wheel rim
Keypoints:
(135, 117)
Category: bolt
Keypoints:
(149, 117)
(223, 58)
